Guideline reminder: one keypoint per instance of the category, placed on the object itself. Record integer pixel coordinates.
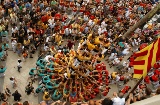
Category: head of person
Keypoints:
(91, 102)
(158, 91)
(16, 103)
(148, 91)
(43, 103)
(107, 101)
(11, 78)
(19, 60)
(121, 95)
(25, 103)
(16, 91)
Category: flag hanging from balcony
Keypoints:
(145, 59)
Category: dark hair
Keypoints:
(100, 55)
(19, 60)
(11, 79)
(16, 91)
(25, 103)
(2, 96)
(107, 101)
(148, 91)
(121, 95)
(158, 91)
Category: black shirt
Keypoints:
(17, 96)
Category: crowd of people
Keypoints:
(55, 27)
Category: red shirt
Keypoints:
(156, 72)
(64, 27)
(57, 16)
(111, 8)
(98, 1)
(106, 72)
(37, 31)
(105, 93)
(92, 17)
(121, 78)
(64, 18)
(125, 89)
(87, 13)
(82, 9)
(44, 19)
(98, 67)
(143, 4)
(100, 81)
(147, 79)
(104, 67)
(96, 90)
(155, 78)
(107, 82)
(92, 96)
(116, 1)
(73, 99)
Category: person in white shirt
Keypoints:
(48, 57)
(90, 23)
(46, 47)
(116, 61)
(67, 31)
(85, 18)
(125, 52)
(19, 65)
(103, 24)
(136, 42)
(104, 51)
(127, 13)
(14, 45)
(117, 78)
(51, 25)
(118, 100)
(13, 82)
(113, 56)
(126, 66)
(99, 30)
(14, 30)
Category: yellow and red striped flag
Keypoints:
(145, 59)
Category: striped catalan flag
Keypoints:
(145, 59)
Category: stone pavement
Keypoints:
(11, 64)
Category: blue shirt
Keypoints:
(17, 1)
(28, 5)
(121, 44)
(4, 33)
(2, 70)
(5, 47)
